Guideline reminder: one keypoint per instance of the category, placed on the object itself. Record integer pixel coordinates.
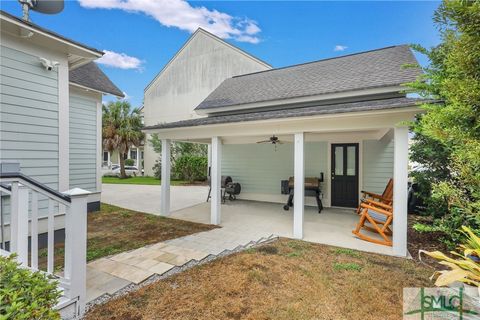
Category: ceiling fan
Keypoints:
(272, 140)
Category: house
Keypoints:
(136, 153)
(50, 149)
(343, 118)
(202, 63)
(51, 118)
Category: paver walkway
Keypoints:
(110, 274)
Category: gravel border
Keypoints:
(175, 270)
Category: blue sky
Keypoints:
(142, 35)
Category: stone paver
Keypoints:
(108, 275)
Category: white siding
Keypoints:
(83, 142)
(377, 163)
(197, 69)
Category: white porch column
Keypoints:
(299, 176)
(216, 176)
(76, 247)
(400, 191)
(165, 191)
(19, 223)
(209, 157)
(139, 161)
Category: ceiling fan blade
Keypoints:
(279, 142)
(264, 141)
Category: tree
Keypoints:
(183, 156)
(121, 129)
(447, 136)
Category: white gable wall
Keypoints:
(197, 69)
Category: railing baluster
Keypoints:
(34, 231)
(50, 235)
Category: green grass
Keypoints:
(348, 252)
(347, 266)
(140, 180)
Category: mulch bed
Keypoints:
(429, 241)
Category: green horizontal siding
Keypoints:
(377, 163)
(29, 119)
(259, 168)
(83, 142)
(29, 115)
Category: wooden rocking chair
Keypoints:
(386, 197)
(379, 216)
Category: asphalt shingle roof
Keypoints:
(371, 69)
(91, 76)
(370, 105)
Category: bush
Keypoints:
(25, 294)
(129, 162)
(190, 168)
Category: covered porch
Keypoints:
(333, 226)
(309, 149)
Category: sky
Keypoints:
(140, 36)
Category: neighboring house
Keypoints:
(136, 153)
(51, 119)
(189, 77)
(343, 117)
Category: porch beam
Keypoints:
(165, 189)
(215, 181)
(299, 176)
(400, 191)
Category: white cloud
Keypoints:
(180, 14)
(120, 60)
(339, 47)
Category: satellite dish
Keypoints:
(48, 6)
(42, 6)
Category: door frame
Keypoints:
(328, 182)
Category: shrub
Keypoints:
(129, 162)
(25, 294)
(190, 167)
(465, 268)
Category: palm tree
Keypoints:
(121, 129)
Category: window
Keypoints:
(351, 160)
(133, 154)
(105, 156)
(339, 161)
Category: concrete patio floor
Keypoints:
(333, 226)
(146, 198)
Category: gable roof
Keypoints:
(211, 35)
(334, 108)
(366, 70)
(5, 15)
(91, 76)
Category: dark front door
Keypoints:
(345, 175)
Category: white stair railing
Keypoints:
(25, 195)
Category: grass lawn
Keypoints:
(112, 230)
(287, 279)
(140, 180)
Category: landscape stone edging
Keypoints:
(175, 270)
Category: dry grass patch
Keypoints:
(284, 280)
(113, 230)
